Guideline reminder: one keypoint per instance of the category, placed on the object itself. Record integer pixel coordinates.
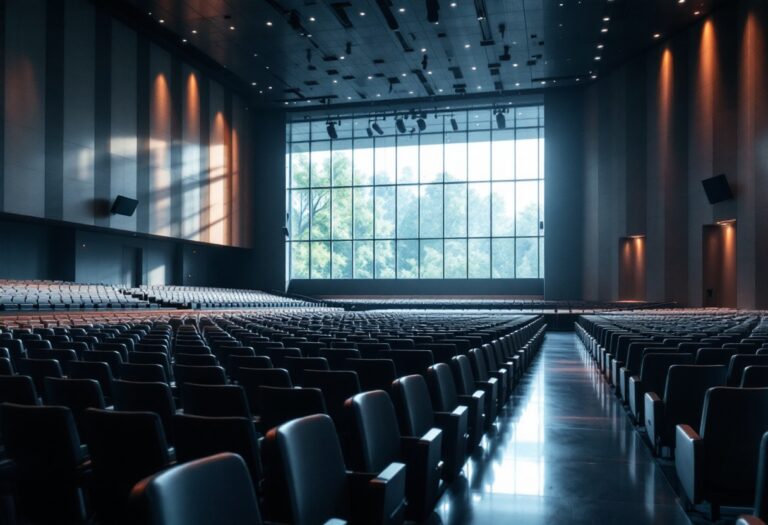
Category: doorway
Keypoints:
(719, 264)
(132, 267)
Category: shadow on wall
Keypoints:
(100, 208)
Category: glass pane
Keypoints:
(503, 154)
(407, 212)
(479, 209)
(321, 216)
(342, 213)
(407, 259)
(342, 260)
(503, 258)
(407, 158)
(300, 165)
(299, 131)
(526, 203)
(363, 213)
(456, 259)
(431, 215)
(541, 155)
(503, 219)
(456, 156)
(318, 130)
(541, 208)
(342, 162)
(385, 212)
(299, 214)
(363, 156)
(479, 256)
(541, 257)
(527, 116)
(432, 259)
(455, 210)
(385, 259)
(364, 260)
(321, 164)
(321, 260)
(386, 160)
(526, 259)
(479, 155)
(299, 260)
(431, 158)
(527, 154)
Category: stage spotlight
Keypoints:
(454, 124)
(501, 121)
(422, 125)
(433, 11)
(400, 125)
(331, 129)
(375, 126)
(369, 131)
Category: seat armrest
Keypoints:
(653, 415)
(689, 456)
(378, 498)
(635, 398)
(749, 520)
(476, 415)
(491, 390)
(335, 521)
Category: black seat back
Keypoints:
(172, 497)
(755, 377)
(373, 374)
(739, 362)
(279, 405)
(442, 389)
(134, 396)
(412, 405)
(251, 379)
(215, 400)
(19, 390)
(375, 432)
(337, 386)
(75, 394)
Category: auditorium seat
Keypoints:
(19, 390)
(293, 467)
(236, 362)
(377, 441)
(151, 358)
(466, 385)
(97, 371)
(143, 372)
(124, 447)
(409, 362)
(39, 369)
(652, 378)
(719, 463)
(200, 436)
(132, 396)
(195, 359)
(50, 462)
(6, 368)
(202, 375)
(172, 497)
(416, 416)
(482, 371)
(111, 357)
(214, 400)
(337, 357)
(739, 362)
(715, 356)
(278, 355)
(297, 365)
(64, 357)
(373, 374)
(445, 399)
(75, 394)
(279, 405)
(252, 379)
(754, 377)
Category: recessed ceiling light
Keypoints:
(349, 98)
(370, 77)
(269, 24)
(378, 94)
(261, 92)
(410, 92)
(402, 10)
(269, 87)
(253, 83)
(453, 4)
(286, 102)
(657, 35)
(474, 68)
(231, 28)
(594, 77)
(161, 21)
(606, 18)
(680, 1)
(403, 74)
(466, 46)
(578, 79)
(311, 18)
(480, 18)
(514, 65)
(429, 72)
(517, 83)
(266, 67)
(604, 30)
(440, 90)
(597, 57)
(335, 81)
(184, 40)
(697, 13)
(342, 57)
(194, 31)
(423, 49)
(255, 54)
(362, 13)
(479, 87)
(600, 46)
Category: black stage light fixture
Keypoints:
(433, 11)
(424, 62)
(501, 121)
(349, 48)
(369, 131)
(454, 124)
(377, 128)
(331, 129)
(400, 125)
(717, 189)
(422, 125)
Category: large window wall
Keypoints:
(431, 204)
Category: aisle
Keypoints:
(564, 453)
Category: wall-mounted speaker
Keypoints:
(124, 206)
(717, 189)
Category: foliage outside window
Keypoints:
(436, 204)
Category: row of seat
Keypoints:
(424, 419)
(697, 387)
(206, 297)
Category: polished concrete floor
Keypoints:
(565, 452)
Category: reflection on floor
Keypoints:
(565, 452)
